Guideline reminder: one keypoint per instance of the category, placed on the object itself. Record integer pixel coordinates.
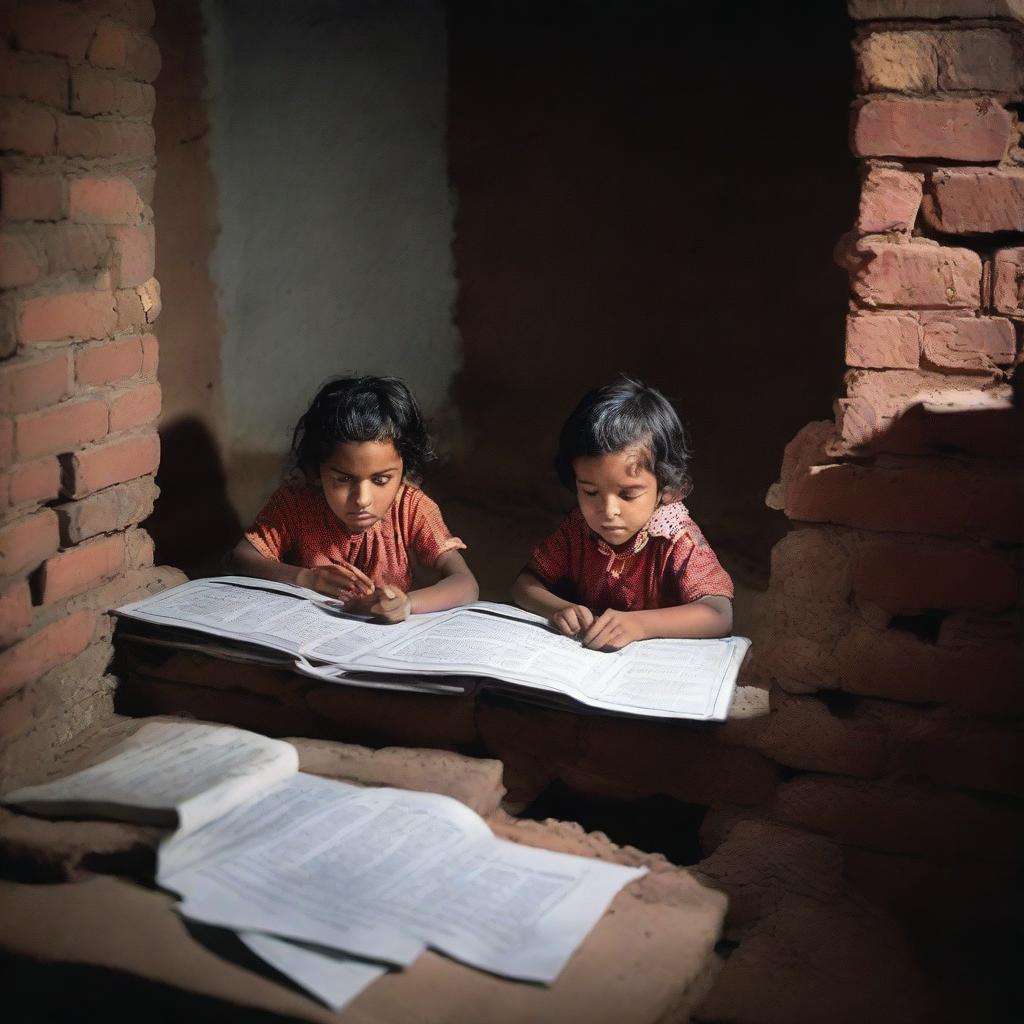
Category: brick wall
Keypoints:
(78, 358)
(890, 634)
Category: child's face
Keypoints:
(616, 495)
(360, 480)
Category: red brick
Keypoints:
(975, 201)
(86, 315)
(874, 10)
(100, 466)
(114, 508)
(140, 13)
(150, 355)
(6, 442)
(144, 60)
(915, 276)
(882, 341)
(107, 200)
(94, 138)
(50, 647)
(910, 578)
(32, 197)
(108, 363)
(99, 92)
(109, 47)
(975, 129)
(134, 255)
(978, 58)
(27, 129)
(83, 567)
(969, 344)
(61, 28)
(16, 713)
(28, 541)
(20, 260)
(31, 384)
(133, 407)
(15, 612)
(5, 491)
(1008, 281)
(35, 482)
(41, 79)
(60, 429)
(78, 247)
(889, 200)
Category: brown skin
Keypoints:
(360, 481)
(617, 497)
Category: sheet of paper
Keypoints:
(187, 772)
(381, 873)
(332, 977)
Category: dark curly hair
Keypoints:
(621, 415)
(362, 409)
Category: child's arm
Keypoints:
(530, 593)
(705, 618)
(339, 581)
(456, 587)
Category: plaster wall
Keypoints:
(334, 252)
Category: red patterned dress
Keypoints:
(668, 563)
(297, 526)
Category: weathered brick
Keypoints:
(72, 572)
(1008, 281)
(41, 79)
(61, 28)
(16, 713)
(140, 13)
(15, 612)
(8, 325)
(26, 542)
(978, 58)
(21, 263)
(970, 130)
(6, 442)
(108, 363)
(118, 47)
(139, 549)
(889, 200)
(138, 307)
(51, 646)
(150, 355)
(134, 255)
(876, 10)
(27, 129)
(95, 138)
(115, 508)
(133, 407)
(35, 482)
(32, 196)
(78, 247)
(908, 578)
(896, 62)
(975, 200)
(93, 469)
(883, 341)
(99, 92)
(86, 315)
(32, 383)
(969, 344)
(60, 429)
(106, 200)
(915, 276)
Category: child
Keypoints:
(347, 528)
(629, 563)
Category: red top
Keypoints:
(297, 526)
(668, 563)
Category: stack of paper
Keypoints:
(334, 884)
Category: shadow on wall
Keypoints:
(193, 524)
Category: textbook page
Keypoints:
(381, 873)
(168, 773)
(332, 977)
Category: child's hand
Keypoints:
(613, 630)
(341, 580)
(391, 604)
(573, 619)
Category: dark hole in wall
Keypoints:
(656, 823)
(655, 188)
(924, 626)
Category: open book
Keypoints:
(331, 883)
(444, 652)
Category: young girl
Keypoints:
(629, 563)
(347, 528)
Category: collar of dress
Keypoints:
(668, 522)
